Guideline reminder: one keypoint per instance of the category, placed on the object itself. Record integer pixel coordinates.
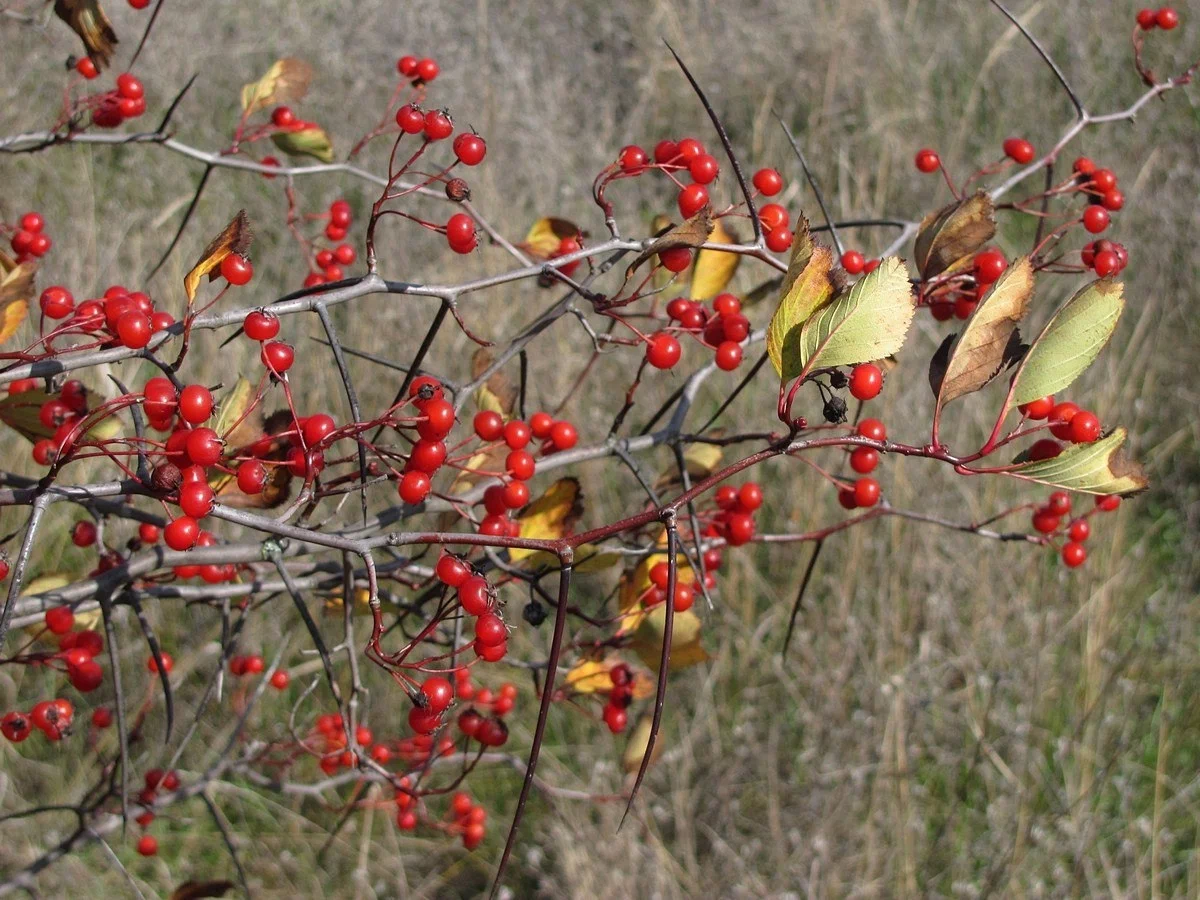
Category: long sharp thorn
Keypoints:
(812, 183)
(156, 653)
(812, 564)
(110, 639)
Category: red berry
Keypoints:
(864, 459)
(866, 381)
(195, 404)
(750, 496)
(866, 492)
(1045, 521)
(927, 161)
(563, 435)
(675, 259)
(1060, 419)
(704, 169)
(59, 619)
(1106, 263)
(427, 456)
(778, 240)
(411, 119)
(1037, 409)
(283, 117)
(692, 199)
(773, 216)
(1113, 200)
(1074, 554)
(475, 595)
(1166, 18)
(236, 269)
(427, 70)
(280, 679)
(251, 477)
(85, 67)
(739, 529)
(147, 845)
(204, 447)
(470, 148)
(1095, 219)
(102, 717)
(520, 464)
(129, 86)
(489, 425)
(853, 262)
(1146, 19)
(665, 151)
(729, 355)
(689, 149)
(452, 571)
(872, 429)
(1019, 150)
(1044, 449)
(1084, 427)
(57, 303)
(181, 533)
(663, 351)
(437, 126)
(277, 356)
(632, 158)
(260, 325)
(83, 534)
(133, 328)
(1059, 503)
(414, 487)
(196, 500)
(1079, 530)
(989, 265)
(515, 494)
(768, 182)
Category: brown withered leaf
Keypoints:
(236, 238)
(949, 238)
(498, 393)
(196, 890)
(286, 80)
(87, 19)
(16, 293)
(691, 234)
(986, 342)
(802, 251)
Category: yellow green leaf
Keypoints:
(236, 238)
(549, 516)
(986, 342)
(948, 239)
(588, 558)
(286, 80)
(1100, 467)
(638, 741)
(16, 293)
(686, 649)
(20, 412)
(307, 139)
(868, 322)
(547, 235)
(811, 289)
(1070, 342)
(714, 269)
(233, 406)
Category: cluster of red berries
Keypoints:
(263, 326)
(330, 260)
(29, 239)
(79, 656)
(1066, 421)
(421, 71)
(470, 820)
(856, 264)
(51, 717)
(489, 730)
(734, 519)
(1048, 520)
(864, 492)
(620, 696)
(126, 101)
(723, 331)
(477, 597)
(428, 453)
(62, 414)
(329, 733)
(1165, 18)
(154, 779)
(128, 318)
(775, 221)
(253, 664)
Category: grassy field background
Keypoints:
(956, 717)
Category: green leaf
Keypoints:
(21, 412)
(1070, 342)
(307, 140)
(949, 238)
(985, 345)
(868, 322)
(805, 290)
(1096, 468)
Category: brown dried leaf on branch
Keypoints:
(236, 238)
(286, 80)
(989, 339)
(690, 234)
(87, 19)
(16, 293)
(949, 238)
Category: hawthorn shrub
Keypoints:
(407, 544)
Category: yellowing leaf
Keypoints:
(307, 139)
(286, 80)
(16, 292)
(1096, 468)
(498, 393)
(811, 289)
(230, 416)
(714, 269)
(802, 252)
(685, 639)
(592, 675)
(979, 353)
(868, 322)
(635, 584)
(477, 467)
(547, 235)
(635, 746)
(1070, 342)
(44, 584)
(588, 558)
(20, 412)
(702, 459)
(949, 238)
(236, 238)
(550, 515)
(87, 19)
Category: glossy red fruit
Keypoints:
(853, 262)
(1019, 150)
(768, 182)
(1060, 419)
(704, 169)
(236, 269)
(663, 351)
(1079, 530)
(411, 119)
(427, 70)
(251, 477)
(989, 265)
(866, 492)
(277, 356)
(728, 356)
(927, 161)
(692, 199)
(1146, 19)
(147, 845)
(1037, 409)
(437, 126)
(864, 459)
(195, 404)
(676, 259)
(615, 718)
(15, 726)
(872, 429)
(196, 500)
(739, 529)
(57, 302)
(181, 533)
(665, 151)
(260, 325)
(1074, 554)
(475, 595)
(778, 240)
(134, 330)
(866, 381)
(83, 534)
(1044, 449)
(438, 693)
(1095, 219)
(85, 67)
(1084, 427)
(470, 148)
(1166, 18)
(632, 158)
(563, 435)
(414, 487)
(750, 496)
